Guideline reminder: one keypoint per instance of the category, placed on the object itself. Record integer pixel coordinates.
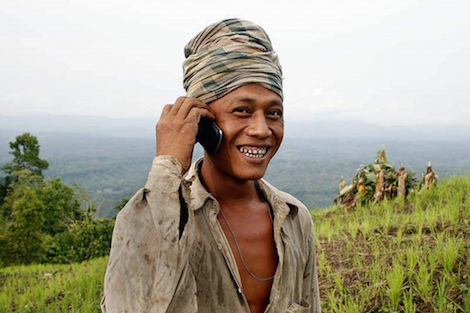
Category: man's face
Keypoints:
(251, 118)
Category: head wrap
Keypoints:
(227, 55)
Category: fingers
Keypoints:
(184, 105)
(188, 105)
(185, 110)
(166, 109)
(177, 128)
(178, 103)
(195, 115)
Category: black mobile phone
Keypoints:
(209, 135)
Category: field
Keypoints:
(52, 288)
(397, 256)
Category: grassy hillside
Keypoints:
(52, 288)
(398, 256)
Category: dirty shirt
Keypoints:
(170, 254)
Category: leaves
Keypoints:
(365, 187)
(25, 150)
(45, 221)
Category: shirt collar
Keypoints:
(199, 195)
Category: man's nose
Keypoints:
(259, 126)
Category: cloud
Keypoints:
(384, 61)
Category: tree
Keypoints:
(86, 239)
(61, 206)
(22, 240)
(25, 151)
(45, 221)
(3, 190)
(23, 177)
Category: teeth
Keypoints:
(253, 152)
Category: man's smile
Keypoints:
(253, 152)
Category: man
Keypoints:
(221, 239)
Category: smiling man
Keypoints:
(220, 239)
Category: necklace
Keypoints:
(240, 251)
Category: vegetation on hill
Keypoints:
(45, 221)
(399, 255)
(396, 256)
(53, 288)
(379, 180)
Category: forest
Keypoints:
(112, 168)
(45, 220)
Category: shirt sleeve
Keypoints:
(150, 247)
(310, 285)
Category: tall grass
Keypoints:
(52, 288)
(408, 255)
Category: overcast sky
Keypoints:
(383, 62)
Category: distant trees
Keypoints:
(22, 238)
(36, 215)
(25, 151)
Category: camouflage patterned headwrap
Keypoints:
(227, 55)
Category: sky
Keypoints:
(380, 62)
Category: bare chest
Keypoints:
(252, 243)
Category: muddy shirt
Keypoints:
(168, 257)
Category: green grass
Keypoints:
(52, 288)
(397, 256)
(408, 255)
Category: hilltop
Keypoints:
(408, 255)
(399, 255)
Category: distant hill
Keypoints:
(316, 129)
(110, 158)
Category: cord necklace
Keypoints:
(240, 251)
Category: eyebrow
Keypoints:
(251, 100)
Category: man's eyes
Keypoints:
(275, 113)
(244, 111)
(241, 110)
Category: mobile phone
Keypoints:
(209, 135)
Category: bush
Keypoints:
(85, 240)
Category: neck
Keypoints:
(227, 189)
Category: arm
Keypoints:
(147, 254)
(151, 238)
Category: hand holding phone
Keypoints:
(178, 127)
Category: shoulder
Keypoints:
(298, 224)
(135, 212)
(302, 211)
